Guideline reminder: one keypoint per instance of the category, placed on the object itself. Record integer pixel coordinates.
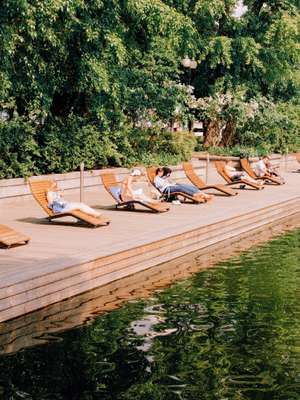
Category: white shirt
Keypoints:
(161, 183)
(260, 168)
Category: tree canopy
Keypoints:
(107, 66)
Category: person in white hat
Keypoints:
(58, 204)
(129, 193)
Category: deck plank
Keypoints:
(75, 255)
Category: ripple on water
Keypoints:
(228, 333)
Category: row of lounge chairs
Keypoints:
(220, 166)
(10, 237)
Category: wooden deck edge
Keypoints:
(34, 281)
(21, 299)
(29, 329)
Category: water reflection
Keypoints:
(227, 333)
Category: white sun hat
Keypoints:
(135, 172)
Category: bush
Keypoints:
(273, 129)
(65, 144)
(61, 145)
(238, 151)
(157, 146)
(19, 149)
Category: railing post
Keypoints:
(286, 159)
(81, 181)
(207, 166)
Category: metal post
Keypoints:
(81, 181)
(207, 166)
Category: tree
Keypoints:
(257, 54)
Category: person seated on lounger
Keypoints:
(130, 193)
(58, 204)
(270, 170)
(165, 186)
(236, 175)
(264, 169)
(260, 168)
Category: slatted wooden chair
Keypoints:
(39, 191)
(249, 170)
(113, 188)
(197, 198)
(297, 155)
(9, 237)
(200, 184)
(220, 165)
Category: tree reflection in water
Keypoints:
(227, 333)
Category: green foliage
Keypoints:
(157, 146)
(273, 128)
(81, 76)
(207, 337)
(65, 144)
(238, 151)
(87, 84)
(18, 149)
(60, 146)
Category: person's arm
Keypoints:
(229, 170)
(127, 187)
(50, 197)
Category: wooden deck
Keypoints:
(64, 260)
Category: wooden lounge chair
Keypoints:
(243, 181)
(247, 168)
(297, 155)
(197, 199)
(111, 185)
(39, 191)
(9, 237)
(200, 184)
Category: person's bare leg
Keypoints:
(208, 196)
(256, 181)
(84, 208)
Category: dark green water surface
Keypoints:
(232, 332)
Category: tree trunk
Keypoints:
(228, 133)
(211, 134)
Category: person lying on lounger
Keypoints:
(270, 170)
(59, 205)
(236, 175)
(165, 186)
(129, 193)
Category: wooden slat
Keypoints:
(109, 181)
(10, 237)
(197, 198)
(200, 184)
(39, 191)
(220, 167)
(247, 168)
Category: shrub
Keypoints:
(65, 144)
(61, 145)
(18, 149)
(157, 146)
(273, 129)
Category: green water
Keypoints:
(232, 332)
